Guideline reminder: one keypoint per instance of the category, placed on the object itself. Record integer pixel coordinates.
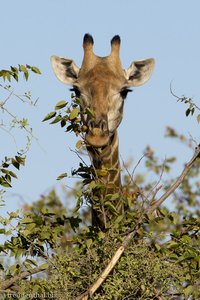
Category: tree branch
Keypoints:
(9, 282)
(176, 184)
(93, 288)
(183, 98)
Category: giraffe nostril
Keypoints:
(91, 125)
(103, 126)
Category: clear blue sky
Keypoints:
(32, 31)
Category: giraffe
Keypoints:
(102, 85)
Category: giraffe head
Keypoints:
(102, 85)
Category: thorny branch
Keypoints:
(131, 233)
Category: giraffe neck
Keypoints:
(106, 161)
(106, 164)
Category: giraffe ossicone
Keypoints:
(102, 85)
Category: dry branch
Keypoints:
(10, 282)
(93, 288)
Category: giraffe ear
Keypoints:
(65, 69)
(139, 72)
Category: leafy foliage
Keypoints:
(153, 265)
(18, 160)
(68, 116)
(14, 72)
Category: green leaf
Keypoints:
(187, 112)
(172, 244)
(27, 220)
(192, 110)
(20, 160)
(8, 76)
(114, 197)
(157, 246)
(45, 235)
(60, 104)
(74, 113)
(43, 266)
(4, 183)
(61, 176)
(5, 171)
(28, 266)
(15, 164)
(92, 184)
(49, 116)
(8, 178)
(15, 76)
(13, 215)
(198, 118)
(63, 123)
(30, 227)
(118, 220)
(89, 112)
(188, 290)
(187, 239)
(26, 233)
(36, 70)
(12, 174)
(2, 231)
(173, 256)
(14, 267)
(74, 222)
(26, 75)
(173, 217)
(101, 234)
(89, 243)
(23, 69)
(56, 120)
(14, 69)
(111, 207)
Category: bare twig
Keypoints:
(93, 288)
(7, 98)
(176, 183)
(139, 161)
(79, 156)
(157, 187)
(155, 191)
(143, 197)
(20, 97)
(14, 118)
(134, 169)
(10, 134)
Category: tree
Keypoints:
(148, 252)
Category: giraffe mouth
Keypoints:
(97, 139)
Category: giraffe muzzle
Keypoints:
(97, 135)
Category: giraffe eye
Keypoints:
(76, 91)
(124, 92)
